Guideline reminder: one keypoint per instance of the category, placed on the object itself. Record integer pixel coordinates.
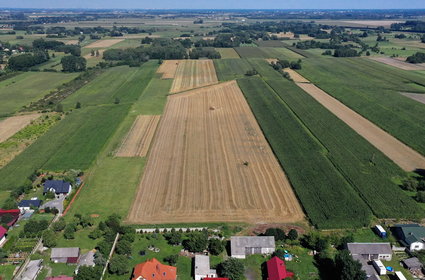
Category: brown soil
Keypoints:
(210, 162)
(139, 138)
(404, 156)
(12, 125)
(104, 43)
(192, 74)
(168, 69)
(398, 63)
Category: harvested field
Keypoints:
(139, 138)
(104, 43)
(404, 156)
(192, 74)
(10, 126)
(420, 97)
(168, 69)
(398, 63)
(210, 162)
(295, 76)
(227, 53)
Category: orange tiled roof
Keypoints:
(154, 270)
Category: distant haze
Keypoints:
(216, 4)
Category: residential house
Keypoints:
(26, 205)
(154, 270)
(3, 233)
(411, 236)
(276, 269)
(371, 251)
(10, 217)
(32, 270)
(65, 255)
(59, 187)
(202, 268)
(241, 246)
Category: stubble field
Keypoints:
(210, 162)
(10, 126)
(168, 69)
(104, 43)
(192, 74)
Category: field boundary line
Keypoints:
(73, 199)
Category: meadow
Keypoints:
(373, 90)
(27, 87)
(227, 53)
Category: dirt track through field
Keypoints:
(12, 125)
(139, 138)
(104, 43)
(420, 97)
(398, 63)
(191, 74)
(210, 162)
(168, 69)
(404, 156)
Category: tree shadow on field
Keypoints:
(326, 268)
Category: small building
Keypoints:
(411, 236)
(3, 233)
(59, 187)
(32, 270)
(241, 246)
(202, 268)
(399, 276)
(61, 277)
(413, 265)
(371, 251)
(10, 217)
(379, 267)
(380, 231)
(87, 259)
(276, 269)
(154, 270)
(65, 255)
(28, 204)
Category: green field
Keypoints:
(121, 82)
(227, 53)
(251, 52)
(281, 53)
(230, 69)
(333, 146)
(270, 43)
(25, 88)
(373, 90)
(112, 181)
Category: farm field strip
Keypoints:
(398, 63)
(281, 53)
(420, 97)
(138, 139)
(191, 74)
(210, 162)
(296, 76)
(227, 53)
(168, 68)
(404, 156)
(251, 52)
(12, 125)
(104, 43)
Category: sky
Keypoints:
(216, 4)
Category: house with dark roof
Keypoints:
(241, 246)
(59, 187)
(371, 251)
(276, 269)
(10, 217)
(65, 255)
(28, 204)
(411, 236)
(154, 270)
(3, 232)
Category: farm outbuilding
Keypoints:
(241, 246)
(276, 269)
(65, 255)
(202, 268)
(411, 236)
(371, 251)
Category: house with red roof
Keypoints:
(276, 269)
(10, 216)
(3, 232)
(154, 270)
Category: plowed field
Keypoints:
(210, 162)
(192, 74)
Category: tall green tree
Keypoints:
(71, 63)
(232, 268)
(347, 268)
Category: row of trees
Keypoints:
(418, 57)
(24, 62)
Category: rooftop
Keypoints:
(202, 265)
(412, 263)
(239, 243)
(29, 203)
(72, 252)
(32, 269)
(154, 270)
(410, 233)
(369, 248)
(59, 186)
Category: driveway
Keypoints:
(57, 203)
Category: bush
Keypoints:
(118, 265)
(232, 268)
(418, 57)
(215, 246)
(172, 259)
(196, 242)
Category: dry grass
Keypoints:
(404, 156)
(168, 69)
(398, 63)
(192, 74)
(12, 125)
(295, 76)
(210, 162)
(139, 138)
(104, 43)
